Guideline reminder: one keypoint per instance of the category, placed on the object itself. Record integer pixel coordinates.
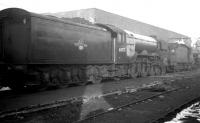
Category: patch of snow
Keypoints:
(5, 89)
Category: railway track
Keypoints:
(142, 101)
(63, 102)
(59, 103)
(129, 104)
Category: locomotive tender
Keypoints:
(44, 50)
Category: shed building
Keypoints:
(100, 16)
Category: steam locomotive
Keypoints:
(39, 50)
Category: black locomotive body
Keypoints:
(181, 57)
(45, 50)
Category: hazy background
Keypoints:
(181, 16)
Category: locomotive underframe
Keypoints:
(41, 75)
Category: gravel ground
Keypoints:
(15, 101)
(147, 111)
(151, 110)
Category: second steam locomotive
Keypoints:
(45, 50)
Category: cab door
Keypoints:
(125, 48)
(121, 46)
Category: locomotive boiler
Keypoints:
(38, 50)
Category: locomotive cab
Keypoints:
(123, 44)
(125, 47)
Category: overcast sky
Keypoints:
(182, 16)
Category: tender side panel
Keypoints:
(1, 39)
(15, 36)
(179, 54)
(182, 54)
(55, 42)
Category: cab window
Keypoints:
(119, 37)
